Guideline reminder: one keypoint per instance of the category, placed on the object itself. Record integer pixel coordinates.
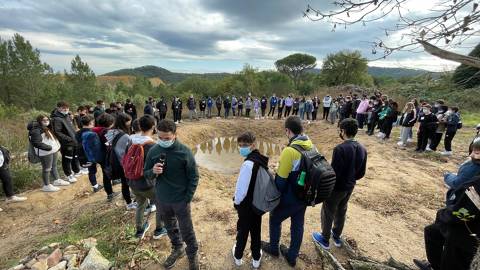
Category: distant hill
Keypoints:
(126, 79)
(164, 74)
(168, 76)
(398, 72)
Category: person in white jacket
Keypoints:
(327, 102)
(46, 146)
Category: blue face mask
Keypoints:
(245, 151)
(165, 144)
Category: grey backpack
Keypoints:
(265, 194)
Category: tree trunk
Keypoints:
(444, 54)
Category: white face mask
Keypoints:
(45, 123)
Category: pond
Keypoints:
(222, 155)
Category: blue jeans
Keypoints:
(296, 213)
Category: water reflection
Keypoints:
(222, 154)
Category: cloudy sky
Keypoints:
(190, 35)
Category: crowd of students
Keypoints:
(144, 155)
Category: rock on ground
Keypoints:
(95, 261)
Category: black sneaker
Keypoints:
(111, 196)
(98, 188)
(193, 263)
(422, 265)
(268, 249)
(173, 258)
(284, 251)
(141, 233)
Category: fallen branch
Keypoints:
(328, 260)
(361, 265)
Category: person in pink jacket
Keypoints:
(362, 111)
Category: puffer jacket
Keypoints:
(43, 144)
(62, 126)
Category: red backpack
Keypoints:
(134, 160)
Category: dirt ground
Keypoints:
(388, 210)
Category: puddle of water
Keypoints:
(222, 155)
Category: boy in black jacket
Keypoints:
(349, 161)
(428, 124)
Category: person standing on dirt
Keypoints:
(333, 113)
(327, 102)
(362, 111)
(64, 131)
(209, 107)
(131, 109)
(176, 109)
(143, 189)
(428, 125)
(263, 105)
(249, 222)
(227, 105)
(248, 106)
(316, 104)
(162, 108)
(46, 146)
(273, 105)
(203, 105)
(296, 106)
(290, 206)
(349, 161)
(172, 165)
(240, 107)
(281, 105)
(452, 124)
(218, 103)
(148, 108)
(192, 108)
(234, 106)
(288, 105)
(6, 177)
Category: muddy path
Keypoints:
(389, 207)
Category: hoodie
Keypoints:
(143, 183)
(63, 129)
(248, 171)
(288, 170)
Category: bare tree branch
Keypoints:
(444, 54)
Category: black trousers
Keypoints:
(423, 136)
(178, 222)
(163, 115)
(107, 182)
(326, 111)
(295, 112)
(372, 125)
(6, 179)
(436, 139)
(314, 115)
(248, 223)
(280, 111)
(271, 111)
(247, 112)
(219, 110)
(333, 213)
(447, 253)
(287, 111)
(126, 190)
(70, 163)
(263, 111)
(448, 140)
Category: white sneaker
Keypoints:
(256, 264)
(428, 149)
(401, 144)
(235, 260)
(410, 140)
(446, 153)
(132, 206)
(84, 171)
(50, 188)
(15, 199)
(60, 182)
(72, 179)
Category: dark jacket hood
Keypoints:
(256, 157)
(56, 113)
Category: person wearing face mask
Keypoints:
(249, 222)
(63, 129)
(467, 170)
(428, 124)
(131, 109)
(349, 160)
(172, 165)
(46, 146)
(99, 109)
(453, 123)
(77, 118)
(288, 105)
(290, 207)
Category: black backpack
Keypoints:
(319, 177)
(113, 166)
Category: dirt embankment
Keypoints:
(389, 207)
